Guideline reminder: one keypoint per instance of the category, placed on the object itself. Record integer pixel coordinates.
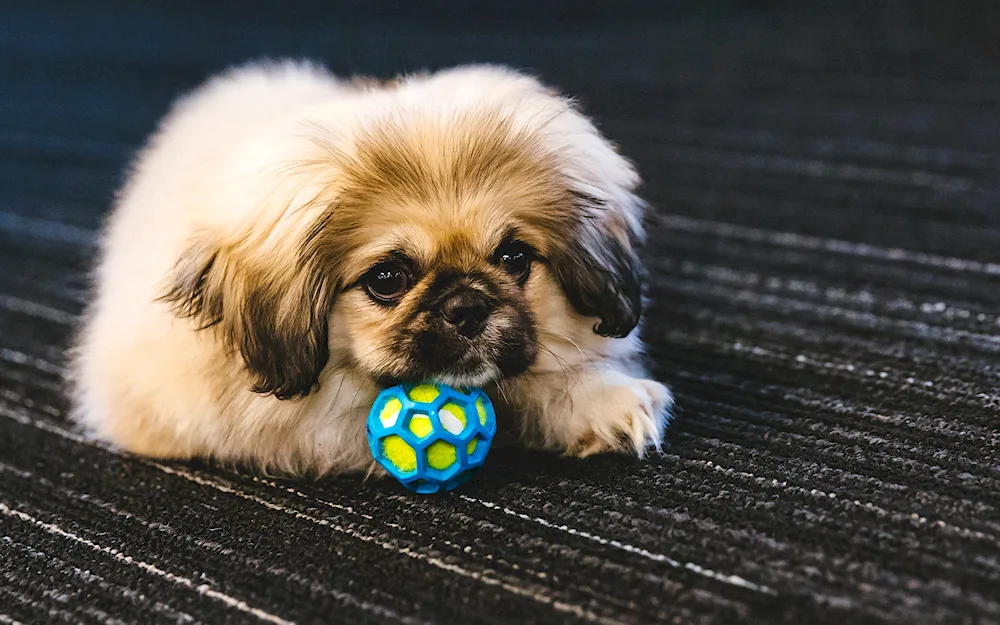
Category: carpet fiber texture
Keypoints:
(824, 269)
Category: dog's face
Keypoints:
(456, 310)
(429, 249)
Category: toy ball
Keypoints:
(431, 437)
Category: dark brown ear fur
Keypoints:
(278, 323)
(599, 269)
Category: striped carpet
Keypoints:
(825, 273)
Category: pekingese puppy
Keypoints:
(288, 243)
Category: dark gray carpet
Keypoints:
(825, 270)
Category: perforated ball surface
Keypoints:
(431, 437)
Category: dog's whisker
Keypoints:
(502, 391)
(558, 335)
(561, 362)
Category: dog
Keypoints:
(288, 243)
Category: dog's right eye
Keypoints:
(387, 282)
(515, 257)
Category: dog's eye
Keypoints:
(387, 282)
(515, 257)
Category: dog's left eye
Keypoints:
(515, 257)
(387, 282)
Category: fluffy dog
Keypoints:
(287, 243)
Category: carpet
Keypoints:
(824, 272)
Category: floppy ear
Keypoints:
(276, 318)
(597, 264)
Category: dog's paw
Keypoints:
(623, 415)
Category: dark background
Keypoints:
(824, 265)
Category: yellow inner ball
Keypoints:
(399, 453)
(440, 454)
(390, 412)
(424, 393)
(420, 425)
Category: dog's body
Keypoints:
(289, 242)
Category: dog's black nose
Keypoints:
(467, 311)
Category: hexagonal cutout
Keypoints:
(441, 455)
(399, 453)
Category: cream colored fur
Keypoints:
(220, 169)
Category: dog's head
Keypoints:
(425, 234)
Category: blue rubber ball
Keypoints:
(430, 436)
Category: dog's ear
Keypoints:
(275, 317)
(597, 264)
